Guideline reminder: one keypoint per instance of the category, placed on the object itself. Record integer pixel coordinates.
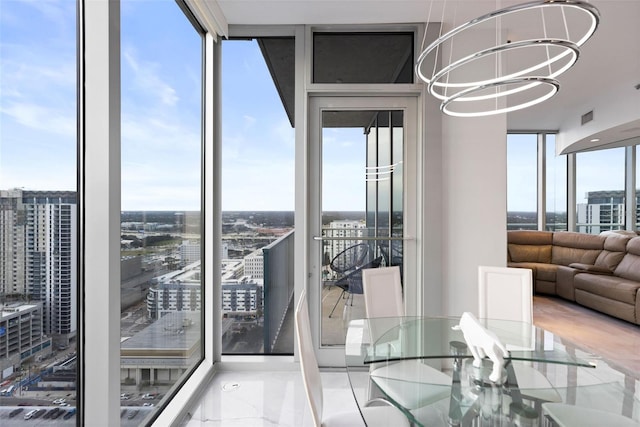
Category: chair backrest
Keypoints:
(505, 293)
(382, 292)
(355, 279)
(308, 362)
(350, 258)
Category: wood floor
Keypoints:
(616, 340)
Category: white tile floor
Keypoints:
(266, 399)
(263, 399)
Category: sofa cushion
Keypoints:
(614, 249)
(569, 247)
(546, 272)
(611, 287)
(530, 237)
(529, 253)
(629, 267)
(609, 259)
(616, 242)
(633, 246)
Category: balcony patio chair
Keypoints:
(382, 416)
(348, 265)
(402, 381)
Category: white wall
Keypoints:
(474, 188)
(465, 198)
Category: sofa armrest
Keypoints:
(593, 269)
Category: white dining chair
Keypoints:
(506, 293)
(411, 383)
(564, 415)
(375, 416)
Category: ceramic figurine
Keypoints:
(483, 343)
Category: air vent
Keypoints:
(587, 117)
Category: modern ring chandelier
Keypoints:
(507, 59)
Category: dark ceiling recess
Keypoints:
(361, 57)
(280, 53)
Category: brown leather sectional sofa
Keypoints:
(598, 271)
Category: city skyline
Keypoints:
(160, 109)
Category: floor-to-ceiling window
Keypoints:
(600, 184)
(161, 266)
(522, 181)
(555, 186)
(257, 195)
(38, 210)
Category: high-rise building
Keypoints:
(38, 255)
(604, 211)
(254, 265)
(189, 252)
(343, 229)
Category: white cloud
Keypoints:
(147, 79)
(50, 119)
(249, 121)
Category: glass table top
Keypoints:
(401, 338)
(423, 367)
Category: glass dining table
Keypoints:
(422, 366)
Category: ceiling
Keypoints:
(609, 62)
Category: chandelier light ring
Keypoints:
(570, 47)
(586, 7)
(553, 84)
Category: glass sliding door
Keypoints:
(359, 206)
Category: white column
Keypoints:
(99, 190)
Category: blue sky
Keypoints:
(161, 96)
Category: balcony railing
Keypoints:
(278, 294)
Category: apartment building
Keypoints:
(604, 211)
(38, 256)
(343, 229)
(21, 336)
(254, 265)
(190, 252)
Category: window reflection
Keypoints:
(161, 233)
(38, 211)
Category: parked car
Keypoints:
(40, 413)
(132, 414)
(70, 413)
(125, 396)
(57, 413)
(59, 401)
(147, 404)
(30, 414)
(15, 412)
(148, 396)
